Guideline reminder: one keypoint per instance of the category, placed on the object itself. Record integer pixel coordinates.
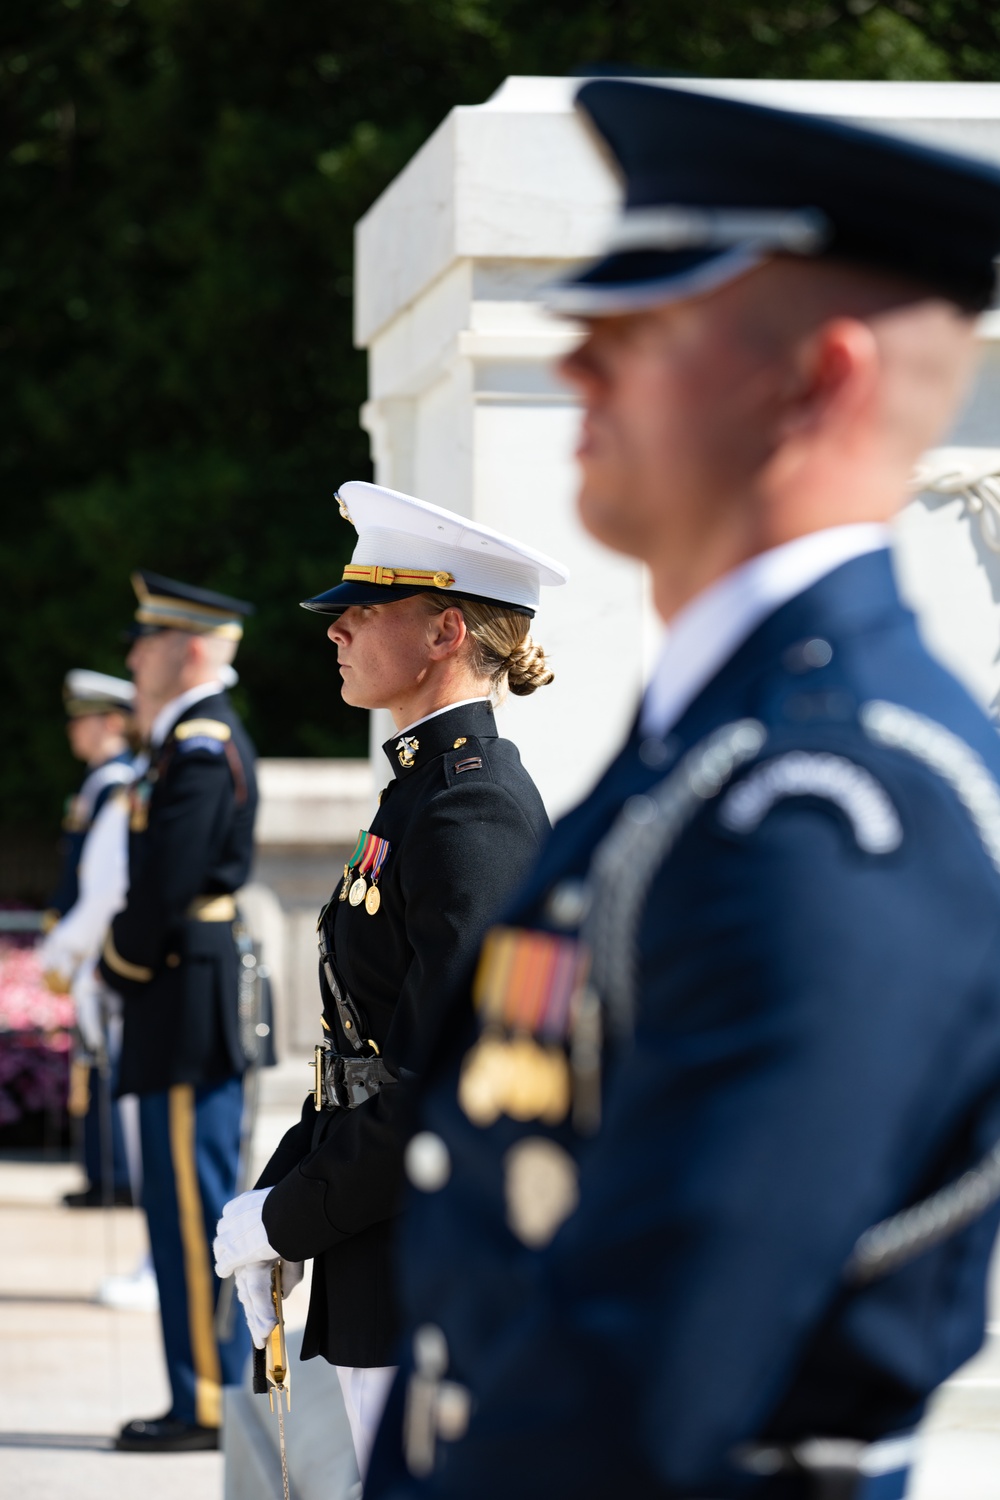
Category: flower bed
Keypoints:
(34, 1038)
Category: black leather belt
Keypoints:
(345, 1082)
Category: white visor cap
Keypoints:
(408, 544)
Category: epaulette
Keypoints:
(467, 758)
(207, 729)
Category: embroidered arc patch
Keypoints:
(863, 801)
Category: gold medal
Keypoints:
(483, 1081)
(560, 1093)
(358, 891)
(518, 1078)
(529, 1092)
(373, 901)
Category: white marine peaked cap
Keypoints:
(86, 692)
(406, 546)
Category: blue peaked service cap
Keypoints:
(713, 186)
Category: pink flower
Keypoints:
(26, 1003)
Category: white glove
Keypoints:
(253, 1287)
(241, 1237)
(87, 1001)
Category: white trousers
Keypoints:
(365, 1394)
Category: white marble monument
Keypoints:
(465, 410)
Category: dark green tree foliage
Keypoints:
(178, 388)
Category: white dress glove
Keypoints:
(241, 1237)
(253, 1287)
(87, 995)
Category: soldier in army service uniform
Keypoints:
(171, 955)
(705, 1185)
(431, 622)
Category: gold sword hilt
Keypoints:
(276, 1350)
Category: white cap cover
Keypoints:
(406, 545)
(95, 692)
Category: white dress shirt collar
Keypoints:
(709, 630)
(446, 710)
(171, 712)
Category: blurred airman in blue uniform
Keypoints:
(98, 724)
(703, 1192)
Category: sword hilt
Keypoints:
(259, 1379)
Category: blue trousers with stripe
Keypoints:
(96, 1156)
(190, 1154)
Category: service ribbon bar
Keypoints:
(530, 982)
(373, 854)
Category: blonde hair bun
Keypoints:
(527, 668)
(502, 650)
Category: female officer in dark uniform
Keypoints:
(432, 623)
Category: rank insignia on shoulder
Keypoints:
(531, 995)
(210, 729)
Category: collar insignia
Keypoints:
(406, 750)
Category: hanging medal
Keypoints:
(529, 991)
(373, 899)
(373, 851)
(358, 849)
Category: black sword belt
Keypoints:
(345, 1082)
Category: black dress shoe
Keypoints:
(93, 1197)
(166, 1435)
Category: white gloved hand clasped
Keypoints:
(240, 1236)
(87, 995)
(253, 1287)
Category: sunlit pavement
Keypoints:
(71, 1371)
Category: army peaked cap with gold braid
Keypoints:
(406, 546)
(165, 604)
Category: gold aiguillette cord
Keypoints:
(271, 1371)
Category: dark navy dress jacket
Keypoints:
(816, 1044)
(172, 960)
(464, 822)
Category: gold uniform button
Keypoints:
(459, 743)
(173, 959)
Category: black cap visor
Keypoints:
(345, 595)
(629, 280)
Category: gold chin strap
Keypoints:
(407, 577)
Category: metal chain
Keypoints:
(281, 1450)
(902, 1237)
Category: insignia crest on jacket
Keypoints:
(406, 750)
